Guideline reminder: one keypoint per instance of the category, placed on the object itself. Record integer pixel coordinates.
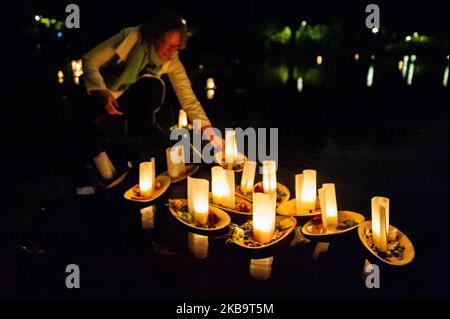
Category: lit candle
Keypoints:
(175, 161)
(328, 205)
(264, 212)
(248, 177)
(146, 179)
(270, 177)
(182, 119)
(261, 269)
(231, 151)
(210, 83)
(198, 245)
(305, 191)
(380, 222)
(198, 199)
(223, 187)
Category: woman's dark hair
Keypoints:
(153, 30)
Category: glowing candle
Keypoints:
(210, 83)
(182, 119)
(270, 177)
(264, 212)
(380, 222)
(198, 245)
(223, 187)
(231, 151)
(146, 179)
(175, 161)
(198, 199)
(248, 177)
(328, 205)
(305, 191)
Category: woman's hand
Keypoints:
(215, 140)
(109, 102)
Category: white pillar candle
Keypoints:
(328, 205)
(146, 179)
(198, 199)
(182, 119)
(248, 177)
(380, 222)
(270, 177)
(104, 166)
(305, 191)
(210, 83)
(198, 245)
(264, 212)
(223, 187)
(175, 161)
(231, 151)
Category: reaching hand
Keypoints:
(215, 140)
(109, 102)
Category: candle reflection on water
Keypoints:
(198, 245)
(261, 269)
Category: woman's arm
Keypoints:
(183, 90)
(96, 58)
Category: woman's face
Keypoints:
(168, 44)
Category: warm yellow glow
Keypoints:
(305, 191)
(231, 151)
(146, 179)
(76, 80)
(182, 119)
(60, 74)
(328, 205)
(198, 199)
(248, 177)
(175, 161)
(210, 83)
(319, 60)
(270, 177)
(198, 245)
(223, 187)
(210, 94)
(380, 222)
(264, 212)
(356, 56)
(400, 65)
(261, 269)
(77, 67)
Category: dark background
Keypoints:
(390, 139)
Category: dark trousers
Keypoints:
(137, 126)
